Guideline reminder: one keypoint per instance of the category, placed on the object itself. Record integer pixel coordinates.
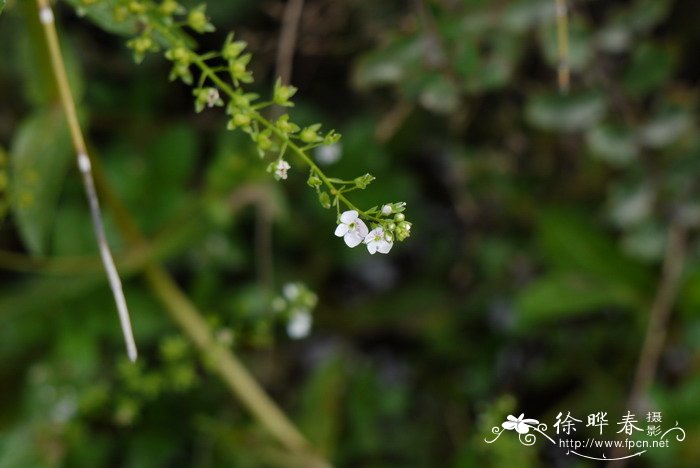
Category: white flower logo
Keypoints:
(522, 426)
(379, 241)
(351, 228)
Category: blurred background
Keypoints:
(548, 226)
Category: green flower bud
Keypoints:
(363, 181)
(137, 8)
(313, 181)
(239, 120)
(263, 141)
(309, 134)
(285, 125)
(197, 20)
(399, 217)
(325, 199)
(232, 50)
(283, 93)
(169, 7)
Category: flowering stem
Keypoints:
(208, 72)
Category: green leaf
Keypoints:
(440, 95)
(40, 157)
(102, 14)
(665, 129)
(2, 5)
(613, 145)
(570, 242)
(390, 64)
(645, 242)
(566, 113)
(561, 295)
(650, 68)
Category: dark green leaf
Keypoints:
(390, 64)
(613, 145)
(567, 113)
(40, 157)
(651, 66)
(571, 242)
(562, 295)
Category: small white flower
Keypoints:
(212, 97)
(379, 241)
(351, 228)
(521, 425)
(281, 169)
(299, 325)
(386, 210)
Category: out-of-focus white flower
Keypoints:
(386, 210)
(379, 241)
(291, 291)
(351, 228)
(329, 154)
(299, 325)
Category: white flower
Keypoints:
(378, 240)
(212, 97)
(281, 169)
(386, 210)
(299, 324)
(351, 228)
(329, 154)
(291, 291)
(522, 426)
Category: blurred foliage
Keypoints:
(540, 229)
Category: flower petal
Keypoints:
(348, 216)
(509, 425)
(522, 428)
(352, 239)
(341, 230)
(361, 227)
(299, 324)
(372, 247)
(384, 246)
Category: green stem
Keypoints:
(226, 88)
